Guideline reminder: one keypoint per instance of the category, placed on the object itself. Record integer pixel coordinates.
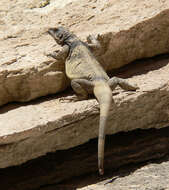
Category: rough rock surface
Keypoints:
(49, 172)
(30, 130)
(129, 30)
(152, 175)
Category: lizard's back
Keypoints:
(82, 64)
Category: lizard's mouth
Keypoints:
(51, 32)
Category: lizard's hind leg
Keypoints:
(82, 88)
(113, 82)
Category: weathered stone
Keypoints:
(31, 130)
(129, 31)
(121, 149)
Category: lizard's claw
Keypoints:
(48, 54)
(135, 87)
(72, 98)
(53, 54)
(91, 38)
(69, 99)
(98, 37)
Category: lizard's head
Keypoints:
(60, 35)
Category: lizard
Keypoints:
(87, 76)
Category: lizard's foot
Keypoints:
(93, 42)
(53, 54)
(72, 99)
(91, 38)
(113, 82)
(68, 99)
(128, 86)
(134, 87)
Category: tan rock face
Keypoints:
(30, 130)
(129, 31)
(128, 148)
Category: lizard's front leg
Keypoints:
(113, 82)
(60, 55)
(93, 42)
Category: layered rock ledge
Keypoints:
(129, 31)
(49, 172)
(31, 130)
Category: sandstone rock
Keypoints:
(129, 31)
(46, 172)
(46, 125)
(150, 175)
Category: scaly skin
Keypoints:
(87, 76)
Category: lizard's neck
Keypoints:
(72, 44)
(71, 41)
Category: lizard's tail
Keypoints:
(103, 94)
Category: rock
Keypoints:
(150, 175)
(122, 148)
(33, 129)
(128, 31)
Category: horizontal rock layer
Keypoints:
(31, 130)
(121, 149)
(129, 31)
